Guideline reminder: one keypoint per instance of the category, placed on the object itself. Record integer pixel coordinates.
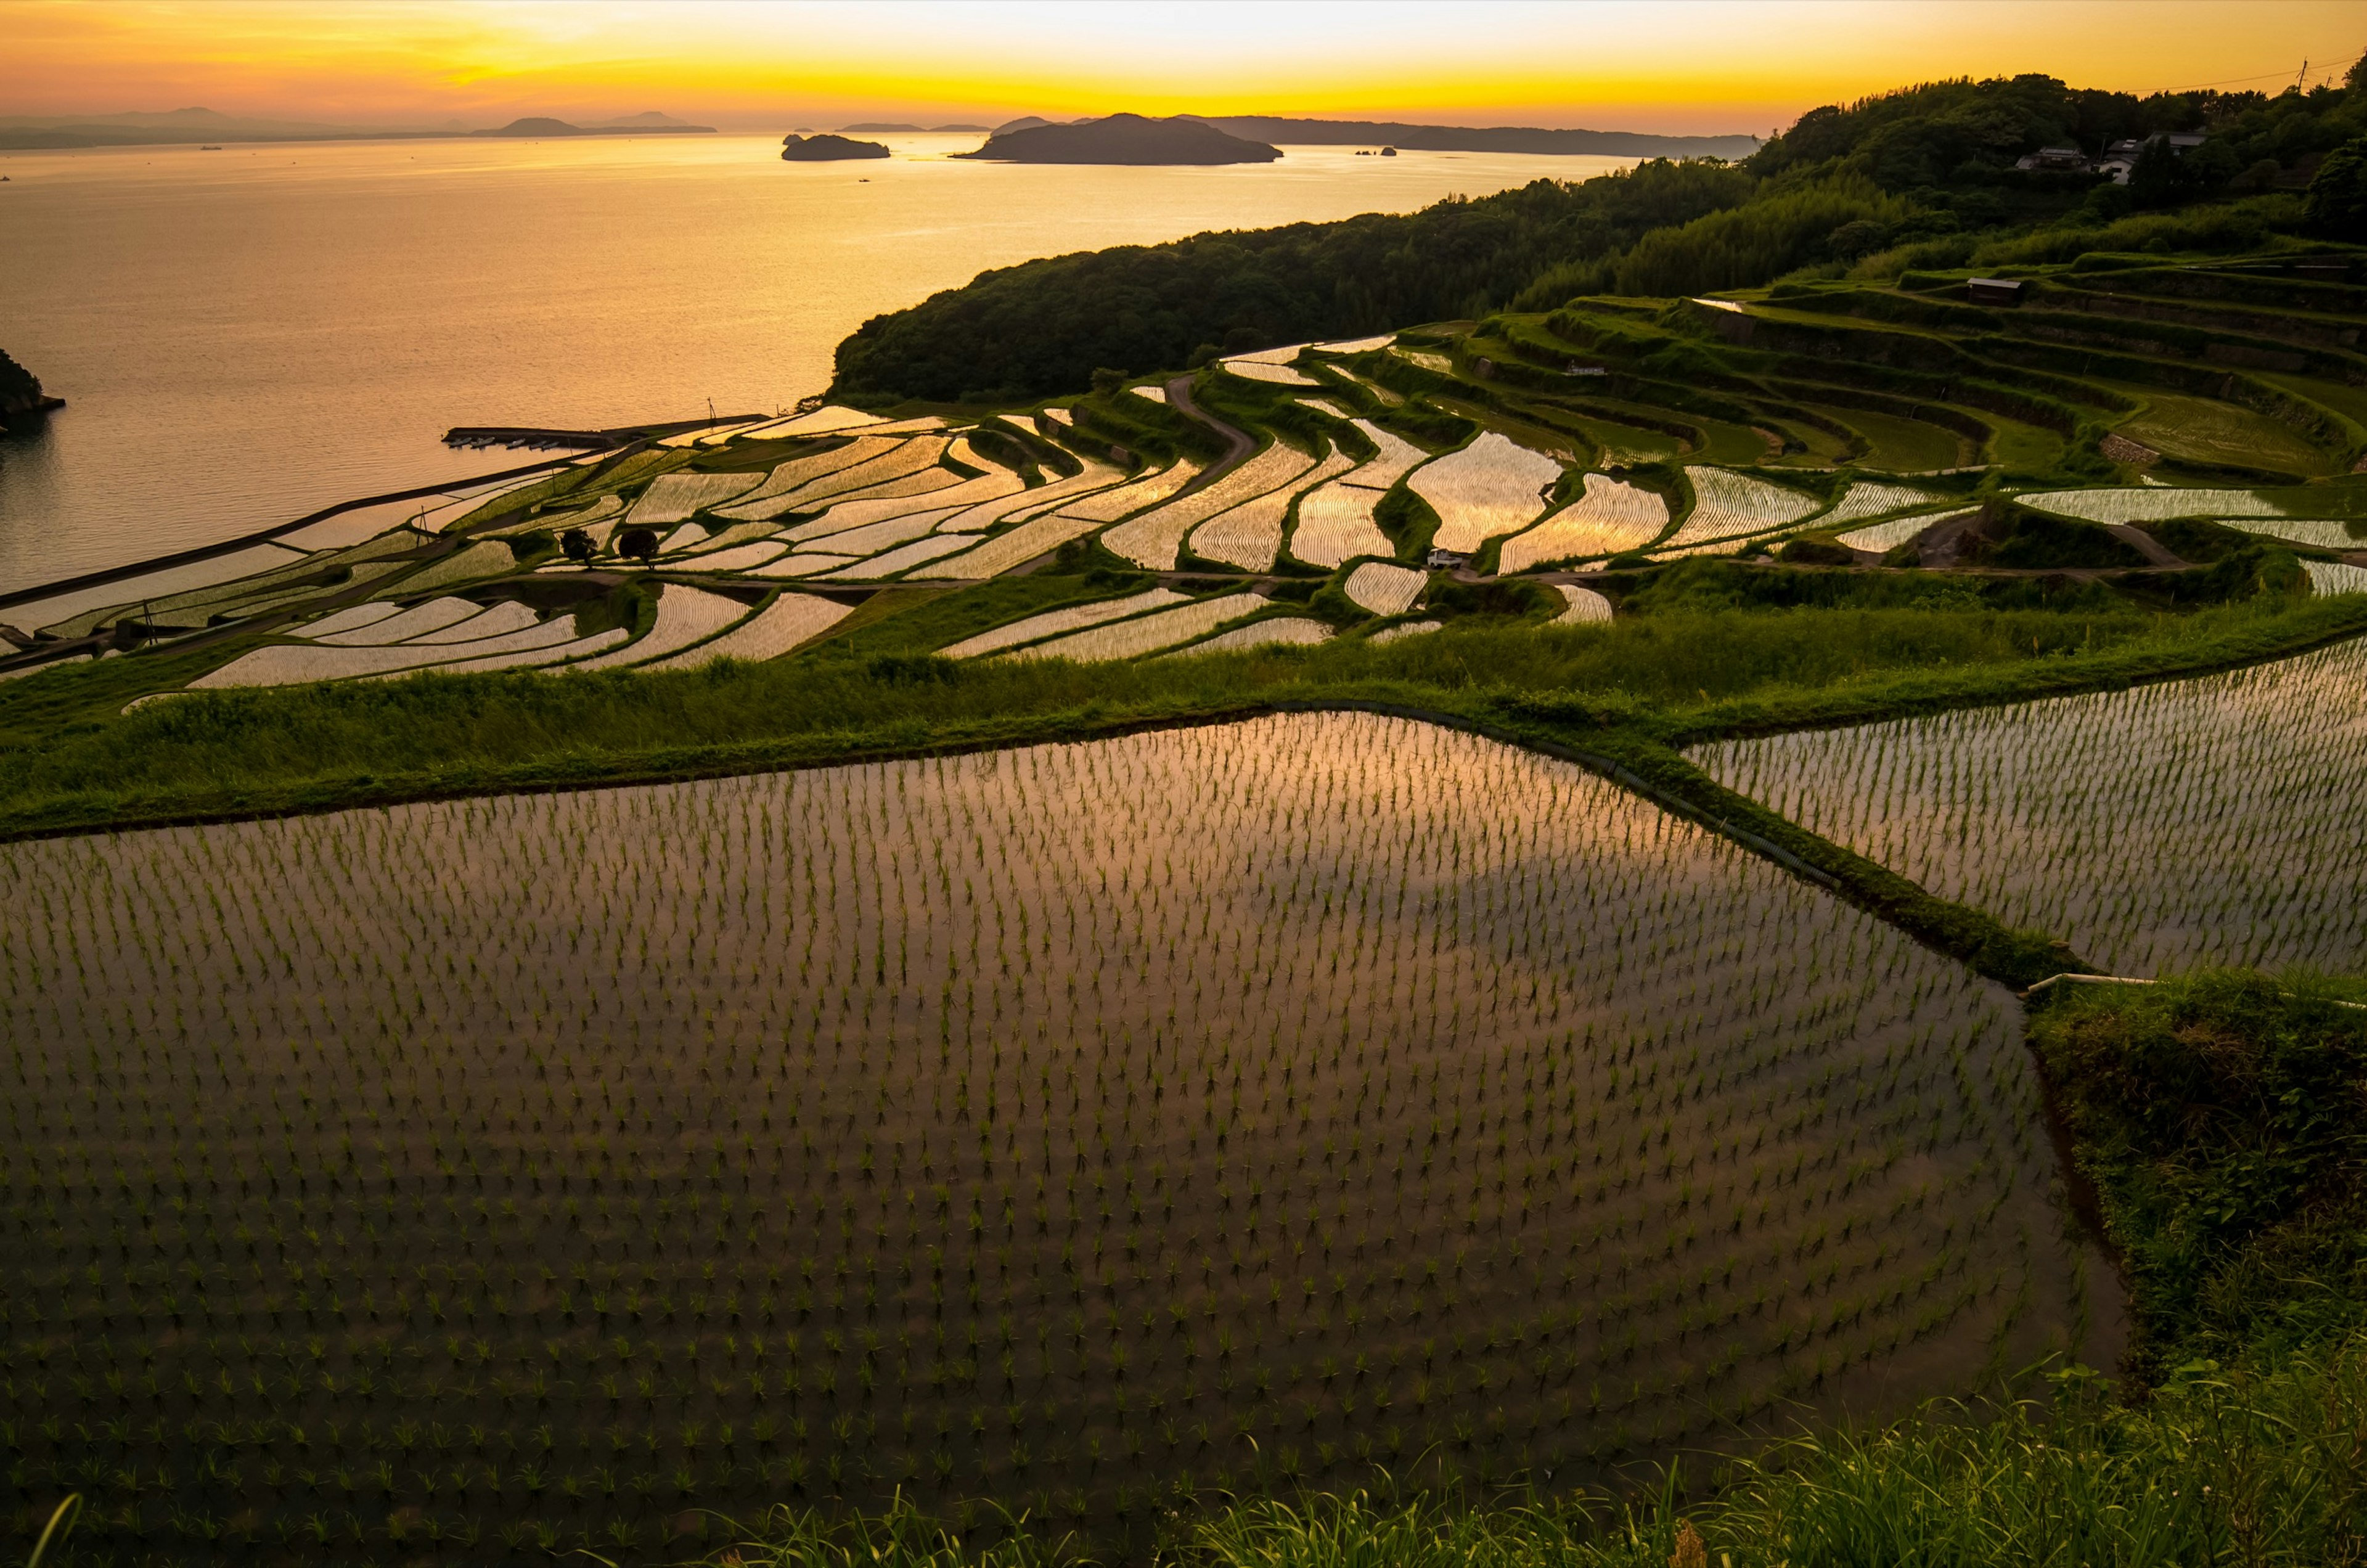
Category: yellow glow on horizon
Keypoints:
(1698, 65)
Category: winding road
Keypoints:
(1238, 444)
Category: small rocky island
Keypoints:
(21, 398)
(825, 148)
(1124, 138)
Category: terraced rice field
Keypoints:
(1491, 486)
(2152, 503)
(1092, 1127)
(1250, 536)
(2213, 822)
(1155, 537)
(1728, 505)
(1609, 518)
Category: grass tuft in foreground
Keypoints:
(2218, 1466)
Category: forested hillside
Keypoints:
(1923, 177)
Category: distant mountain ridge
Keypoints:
(543, 125)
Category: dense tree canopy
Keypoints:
(1043, 327)
(1932, 164)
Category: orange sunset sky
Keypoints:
(1714, 65)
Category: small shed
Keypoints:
(1993, 290)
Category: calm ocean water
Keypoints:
(245, 335)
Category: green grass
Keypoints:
(69, 760)
(1901, 445)
(2251, 1466)
(2220, 435)
(2218, 1115)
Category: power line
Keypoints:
(2330, 73)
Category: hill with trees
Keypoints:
(1124, 138)
(20, 393)
(1923, 177)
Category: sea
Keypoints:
(247, 334)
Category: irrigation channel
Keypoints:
(1088, 1127)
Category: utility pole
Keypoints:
(2305, 74)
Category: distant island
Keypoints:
(1124, 138)
(902, 129)
(543, 125)
(21, 398)
(828, 149)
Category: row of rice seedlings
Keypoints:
(788, 477)
(2211, 821)
(1584, 605)
(2319, 533)
(973, 1127)
(1147, 633)
(685, 616)
(673, 498)
(903, 455)
(1076, 617)
(789, 621)
(2152, 503)
(1335, 525)
(1403, 630)
(1394, 460)
(283, 664)
(1868, 499)
(904, 558)
(1270, 374)
(1609, 518)
(470, 563)
(1883, 537)
(1383, 588)
(1092, 477)
(739, 558)
(1012, 548)
(1492, 486)
(693, 538)
(1250, 536)
(1275, 631)
(1155, 537)
(1728, 505)
(1148, 490)
(2336, 576)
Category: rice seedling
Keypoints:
(1383, 588)
(788, 621)
(873, 537)
(1076, 617)
(1728, 505)
(2208, 821)
(540, 1170)
(1275, 631)
(2152, 503)
(1147, 633)
(1155, 392)
(1154, 538)
(1357, 344)
(1437, 363)
(901, 459)
(1492, 486)
(1409, 628)
(1607, 519)
(382, 623)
